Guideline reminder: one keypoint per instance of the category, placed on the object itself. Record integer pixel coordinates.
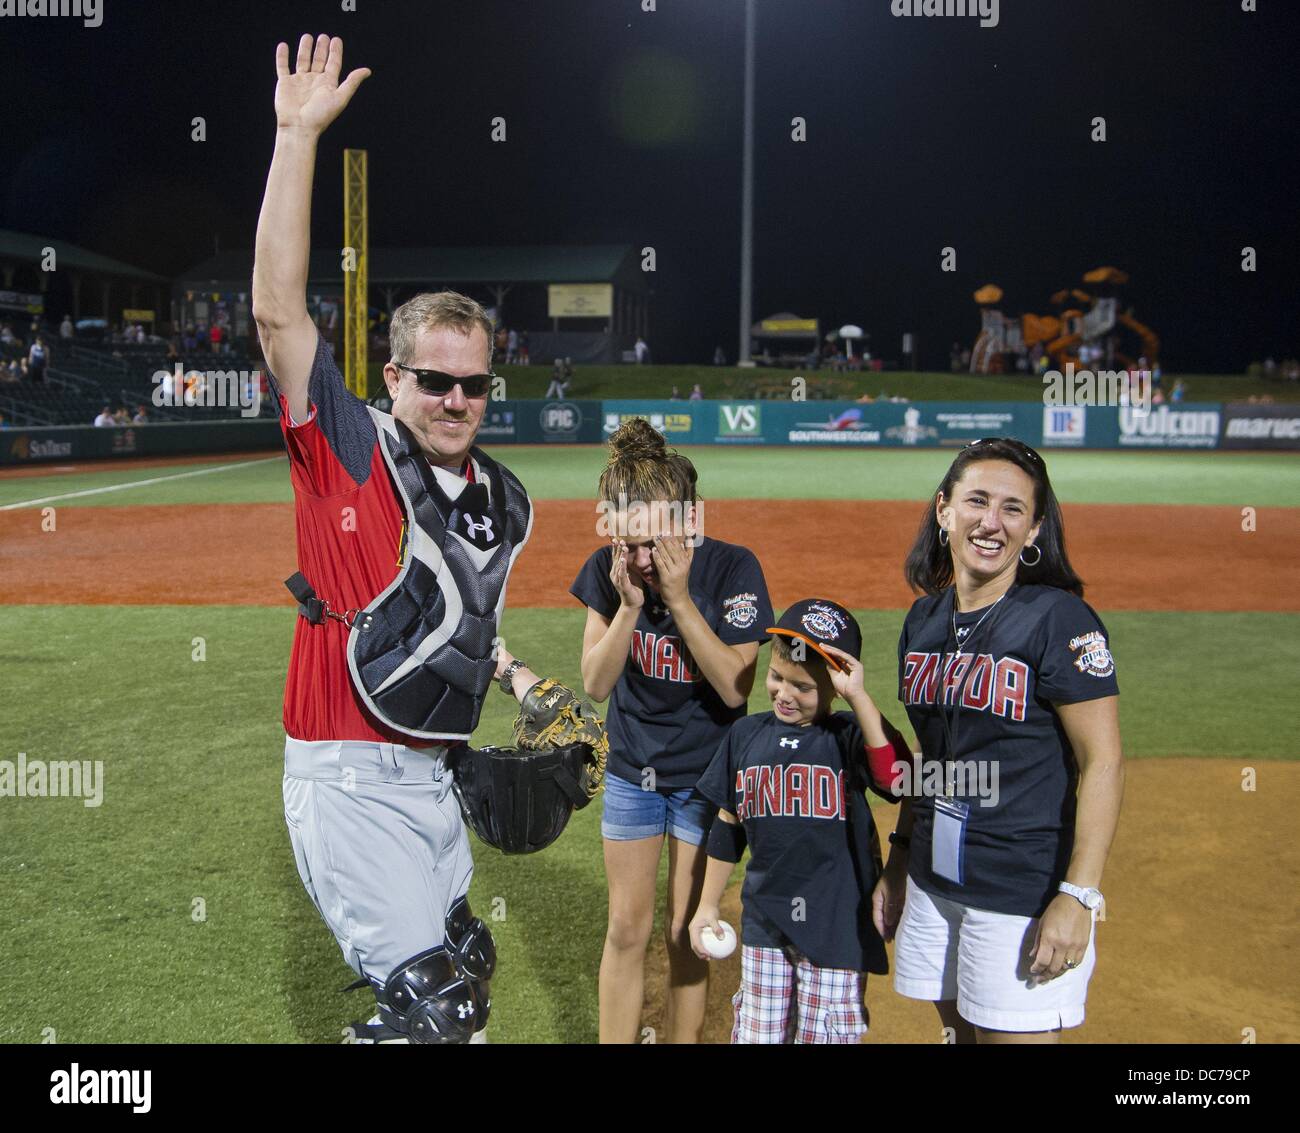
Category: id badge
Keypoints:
(948, 842)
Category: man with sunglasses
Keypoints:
(406, 534)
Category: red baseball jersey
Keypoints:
(348, 521)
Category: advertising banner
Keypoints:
(1247, 426)
(675, 419)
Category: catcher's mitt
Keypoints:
(552, 716)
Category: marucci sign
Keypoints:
(1253, 426)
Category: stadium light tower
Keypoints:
(747, 196)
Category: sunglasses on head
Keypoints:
(1010, 442)
(436, 382)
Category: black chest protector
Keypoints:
(421, 654)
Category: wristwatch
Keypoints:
(1089, 898)
(508, 675)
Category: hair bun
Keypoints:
(636, 440)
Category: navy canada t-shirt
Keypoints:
(798, 792)
(663, 713)
(1038, 646)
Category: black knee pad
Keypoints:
(470, 942)
(432, 1001)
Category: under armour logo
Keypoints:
(485, 527)
(788, 742)
(465, 1010)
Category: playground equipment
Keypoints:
(1085, 331)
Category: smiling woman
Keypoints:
(1005, 670)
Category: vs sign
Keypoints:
(738, 420)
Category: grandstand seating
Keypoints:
(83, 379)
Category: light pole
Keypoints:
(747, 196)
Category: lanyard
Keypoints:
(950, 727)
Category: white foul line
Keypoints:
(138, 483)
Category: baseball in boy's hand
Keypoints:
(718, 949)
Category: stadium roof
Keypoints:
(545, 263)
(30, 248)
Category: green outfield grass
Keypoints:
(735, 472)
(599, 381)
(100, 902)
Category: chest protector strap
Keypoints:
(421, 654)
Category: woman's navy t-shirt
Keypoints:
(663, 713)
(1041, 645)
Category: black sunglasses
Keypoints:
(436, 382)
(1010, 442)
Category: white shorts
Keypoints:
(945, 950)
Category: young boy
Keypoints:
(790, 784)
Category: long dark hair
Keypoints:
(929, 563)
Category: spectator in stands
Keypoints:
(512, 347)
(676, 395)
(3, 423)
(1179, 391)
(7, 335)
(559, 386)
(105, 419)
(524, 360)
(65, 327)
(173, 353)
(500, 342)
(642, 351)
(189, 341)
(37, 357)
(214, 337)
(9, 373)
(141, 416)
(697, 394)
(719, 357)
(121, 416)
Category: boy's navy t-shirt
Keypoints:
(663, 713)
(798, 791)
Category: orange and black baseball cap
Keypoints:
(819, 621)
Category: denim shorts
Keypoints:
(631, 813)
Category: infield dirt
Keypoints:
(1131, 557)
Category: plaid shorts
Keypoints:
(827, 1002)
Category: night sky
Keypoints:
(625, 127)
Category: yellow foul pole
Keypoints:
(356, 259)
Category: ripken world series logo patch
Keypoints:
(1095, 659)
(740, 610)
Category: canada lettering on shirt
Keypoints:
(997, 685)
(663, 657)
(791, 790)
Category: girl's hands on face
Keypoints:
(672, 555)
(630, 591)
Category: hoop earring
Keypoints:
(943, 537)
(1036, 561)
